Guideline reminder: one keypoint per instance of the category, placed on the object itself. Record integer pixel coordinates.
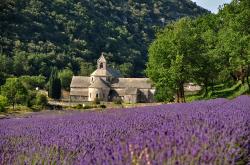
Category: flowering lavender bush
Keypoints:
(204, 132)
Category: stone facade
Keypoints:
(106, 84)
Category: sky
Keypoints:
(211, 5)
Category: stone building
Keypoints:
(106, 84)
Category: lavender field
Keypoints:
(203, 132)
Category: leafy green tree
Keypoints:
(86, 68)
(66, 77)
(41, 100)
(31, 82)
(20, 63)
(5, 64)
(209, 63)
(54, 85)
(14, 90)
(235, 39)
(126, 69)
(31, 98)
(3, 103)
(173, 57)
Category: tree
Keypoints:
(86, 68)
(31, 82)
(5, 64)
(234, 37)
(3, 77)
(66, 77)
(173, 58)
(70, 30)
(3, 103)
(20, 63)
(54, 85)
(14, 91)
(209, 62)
(126, 69)
(41, 100)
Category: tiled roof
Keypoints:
(140, 83)
(99, 83)
(106, 73)
(80, 82)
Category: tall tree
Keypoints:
(65, 77)
(209, 63)
(234, 39)
(54, 90)
(173, 57)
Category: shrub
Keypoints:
(96, 101)
(103, 106)
(31, 82)
(87, 107)
(36, 108)
(66, 77)
(3, 103)
(41, 100)
(31, 98)
(117, 100)
(79, 106)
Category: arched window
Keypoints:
(101, 65)
(97, 95)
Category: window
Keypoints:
(101, 65)
(90, 95)
(97, 95)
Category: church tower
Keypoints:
(101, 62)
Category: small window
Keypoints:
(101, 65)
(90, 95)
(97, 95)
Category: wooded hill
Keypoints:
(39, 34)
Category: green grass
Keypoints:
(220, 91)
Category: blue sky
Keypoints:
(211, 5)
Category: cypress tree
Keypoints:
(54, 85)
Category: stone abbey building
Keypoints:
(106, 85)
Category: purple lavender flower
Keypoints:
(205, 132)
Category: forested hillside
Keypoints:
(37, 35)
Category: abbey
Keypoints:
(106, 84)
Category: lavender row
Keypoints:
(203, 132)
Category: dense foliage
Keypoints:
(39, 34)
(208, 50)
(204, 132)
(54, 88)
(3, 103)
(65, 77)
(23, 91)
(14, 91)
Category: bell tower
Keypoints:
(101, 62)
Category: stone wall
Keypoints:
(130, 99)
